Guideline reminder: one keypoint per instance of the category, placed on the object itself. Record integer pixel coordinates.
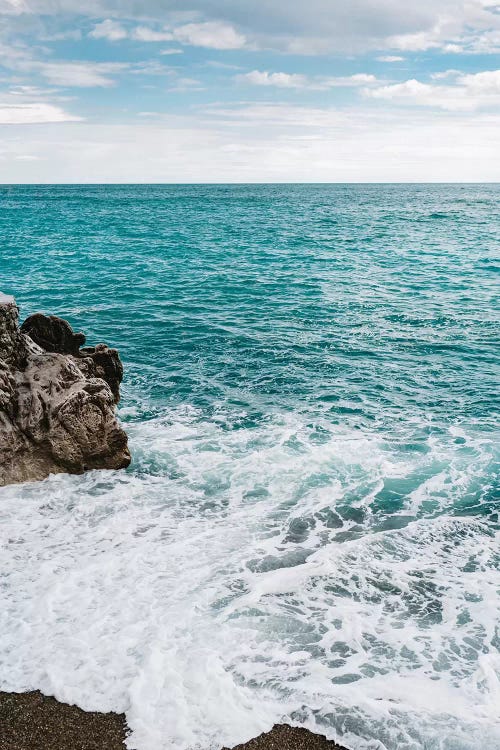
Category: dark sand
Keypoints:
(283, 737)
(30, 721)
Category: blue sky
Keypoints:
(233, 90)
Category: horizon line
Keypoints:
(256, 182)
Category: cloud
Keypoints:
(171, 51)
(258, 140)
(73, 35)
(28, 114)
(467, 93)
(186, 84)
(281, 80)
(221, 65)
(342, 26)
(299, 81)
(79, 74)
(210, 34)
(12, 56)
(68, 73)
(213, 34)
(151, 68)
(486, 83)
(261, 142)
(487, 43)
(472, 29)
(419, 41)
(108, 29)
(144, 34)
(359, 79)
(445, 74)
(13, 7)
(27, 105)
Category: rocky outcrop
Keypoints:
(57, 400)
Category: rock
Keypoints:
(13, 347)
(53, 334)
(107, 365)
(57, 402)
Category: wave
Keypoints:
(240, 575)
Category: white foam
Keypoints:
(6, 299)
(183, 594)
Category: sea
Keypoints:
(309, 531)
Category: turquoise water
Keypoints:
(309, 530)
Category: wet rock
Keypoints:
(106, 365)
(57, 402)
(53, 334)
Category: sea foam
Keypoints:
(226, 583)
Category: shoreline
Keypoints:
(33, 721)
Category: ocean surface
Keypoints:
(309, 531)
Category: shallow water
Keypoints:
(309, 531)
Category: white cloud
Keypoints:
(212, 34)
(486, 83)
(23, 114)
(186, 84)
(350, 26)
(412, 91)
(151, 68)
(262, 142)
(467, 93)
(487, 43)
(299, 81)
(108, 29)
(79, 74)
(73, 35)
(12, 56)
(419, 41)
(443, 74)
(14, 7)
(221, 65)
(29, 92)
(359, 79)
(116, 32)
(325, 26)
(281, 80)
(27, 105)
(473, 28)
(144, 34)
(68, 73)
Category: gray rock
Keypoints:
(57, 402)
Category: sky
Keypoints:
(249, 91)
